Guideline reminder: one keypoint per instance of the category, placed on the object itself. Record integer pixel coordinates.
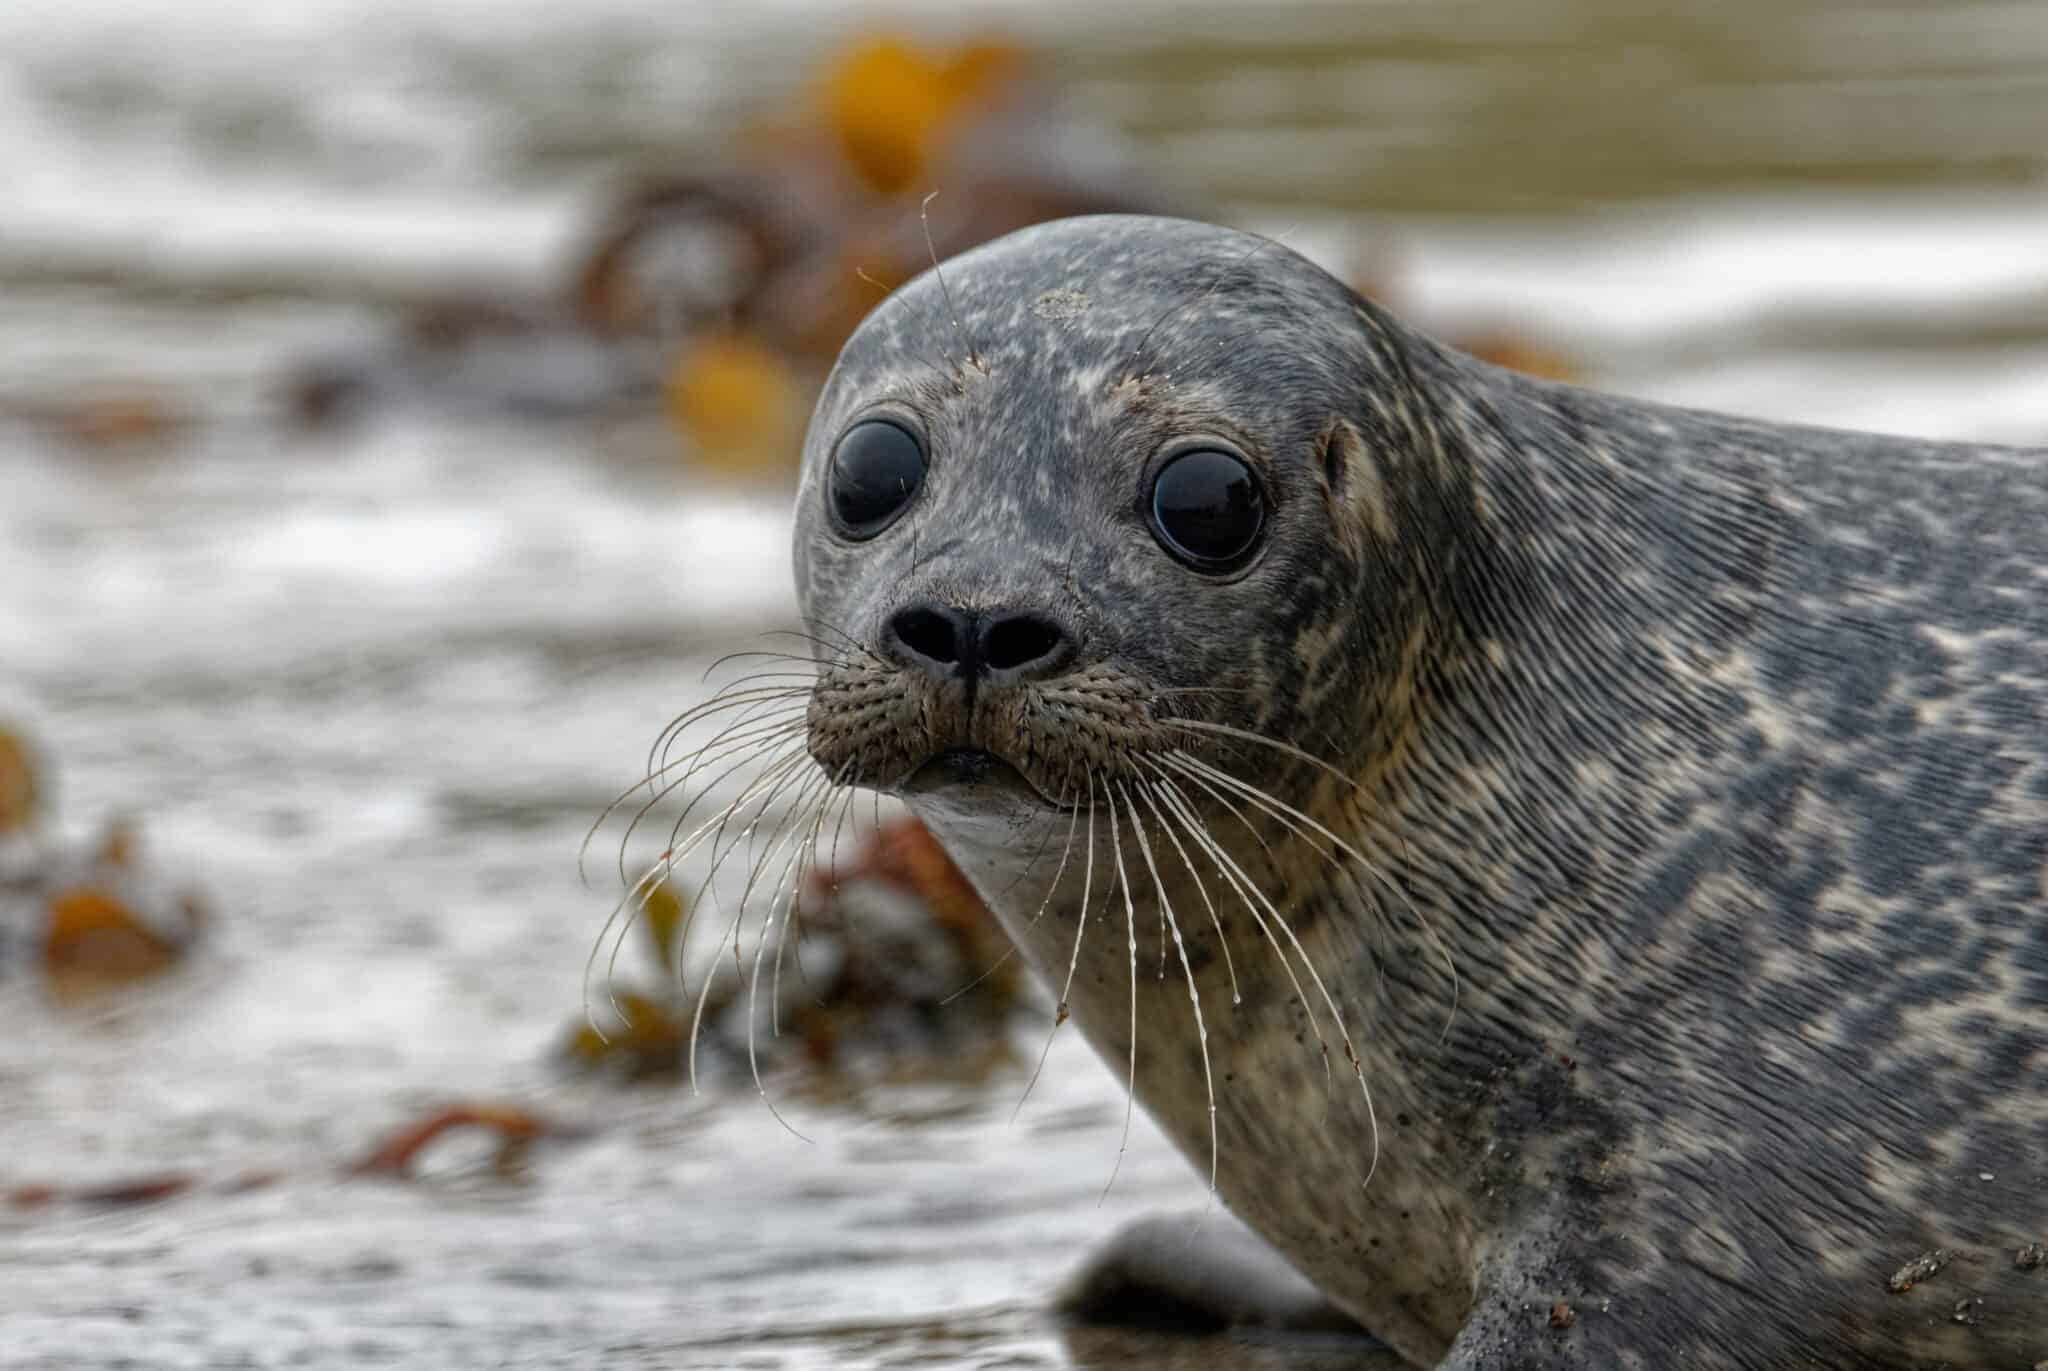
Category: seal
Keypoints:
(1573, 873)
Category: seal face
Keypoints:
(1587, 861)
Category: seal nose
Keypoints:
(1003, 648)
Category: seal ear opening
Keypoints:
(1336, 457)
(1353, 486)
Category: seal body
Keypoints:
(1579, 884)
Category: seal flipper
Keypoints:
(1532, 1310)
(1198, 1273)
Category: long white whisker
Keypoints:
(787, 825)
(633, 910)
(1145, 793)
(733, 932)
(1259, 797)
(736, 695)
(1188, 971)
(766, 736)
(805, 849)
(804, 663)
(792, 904)
(1240, 882)
(611, 807)
(785, 705)
(634, 900)
(755, 725)
(781, 760)
(761, 794)
(1371, 868)
(1043, 905)
(1131, 933)
(638, 894)
(789, 767)
(795, 934)
(1061, 1012)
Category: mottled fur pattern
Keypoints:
(1690, 918)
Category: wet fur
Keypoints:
(1713, 752)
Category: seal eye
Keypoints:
(1207, 509)
(876, 470)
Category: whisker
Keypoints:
(774, 736)
(832, 864)
(636, 895)
(1061, 1012)
(1043, 905)
(1370, 867)
(1248, 736)
(611, 968)
(1131, 931)
(792, 878)
(635, 899)
(1254, 897)
(924, 214)
(1237, 812)
(762, 654)
(795, 933)
(1247, 890)
(865, 275)
(1145, 793)
(838, 649)
(759, 690)
(730, 696)
(733, 932)
(741, 733)
(796, 770)
(1261, 799)
(784, 828)
(760, 794)
(1050, 826)
(653, 775)
(780, 763)
(611, 808)
(703, 997)
(745, 699)
(759, 719)
(1188, 971)
(792, 754)
(775, 822)
(746, 708)
(785, 666)
(816, 789)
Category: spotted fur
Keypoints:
(1687, 899)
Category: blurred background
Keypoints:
(399, 403)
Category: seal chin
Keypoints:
(965, 774)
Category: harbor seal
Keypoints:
(1568, 871)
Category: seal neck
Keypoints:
(1590, 623)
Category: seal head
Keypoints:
(1065, 463)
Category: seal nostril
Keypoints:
(945, 642)
(1021, 640)
(929, 634)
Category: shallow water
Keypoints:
(370, 690)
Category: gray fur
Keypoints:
(1714, 754)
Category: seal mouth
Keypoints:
(1049, 743)
(968, 771)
